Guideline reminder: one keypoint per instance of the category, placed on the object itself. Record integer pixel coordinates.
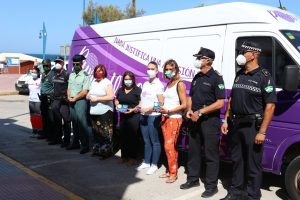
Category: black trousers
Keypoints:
(246, 157)
(130, 136)
(47, 116)
(61, 113)
(204, 140)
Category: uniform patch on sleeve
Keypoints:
(269, 89)
(221, 86)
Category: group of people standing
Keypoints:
(151, 112)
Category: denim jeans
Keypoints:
(150, 128)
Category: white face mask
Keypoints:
(241, 59)
(198, 64)
(57, 66)
(151, 73)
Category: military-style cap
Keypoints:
(78, 58)
(46, 62)
(250, 46)
(59, 59)
(204, 52)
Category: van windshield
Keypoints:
(293, 37)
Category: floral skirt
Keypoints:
(103, 134)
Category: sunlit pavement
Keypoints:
(74, 176)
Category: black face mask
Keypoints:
(77, 68)
(46, 68)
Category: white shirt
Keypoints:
(34, 87)
(149, 94)
(98, 89)
(171, 100)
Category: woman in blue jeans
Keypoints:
(151, 98)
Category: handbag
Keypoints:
(183, 137)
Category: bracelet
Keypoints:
(224, 121)
(263, 133)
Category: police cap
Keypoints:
(204, 52)
(46, 62)
(250, 46)
(59, 59)
(78, 58)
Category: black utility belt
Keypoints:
(245, 117)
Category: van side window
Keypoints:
(282, 59)
(266, 57)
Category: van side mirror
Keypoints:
(290, 78)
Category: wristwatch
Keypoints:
(199, 113)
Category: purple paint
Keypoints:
(279, 14)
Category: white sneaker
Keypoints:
(143, 166)
(152, 169)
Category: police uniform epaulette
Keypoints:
(265, 72)
(218, 73)
(85, 73)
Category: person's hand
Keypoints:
(224, 128)
(93, 99)
(137, 109)
(88, 97)
(163, 110)
(189, 114)
(71, 99)
(130, 110)
(260, 138)
(195, 116)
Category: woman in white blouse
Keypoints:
(151, 98)
(101, 97)
(174, 105)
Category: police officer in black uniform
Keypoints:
(206, 98)
(250, 107)
(60, 105)
(46, 99)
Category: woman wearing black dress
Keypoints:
(126, 102)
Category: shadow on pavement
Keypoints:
(86, 176)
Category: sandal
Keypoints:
(165, 175)
(171, 179)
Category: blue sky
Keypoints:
(21, 20)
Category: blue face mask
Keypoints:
(128, 83)
(34, 76)
(169, 74)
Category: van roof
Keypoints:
(227, 13)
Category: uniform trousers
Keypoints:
(204, 141)
(47, 116)
(170, 129)
(246, 157)
(61, 112)
(78, 112)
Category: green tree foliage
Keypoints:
(110, 13)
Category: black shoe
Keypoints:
(231, 197)
(209, 193)
(189, 184)
(70, 147)
(83, 151)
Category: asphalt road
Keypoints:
(94, 179)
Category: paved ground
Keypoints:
(7, 83)
(88, 177)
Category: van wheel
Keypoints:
(292, 178)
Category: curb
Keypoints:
(9, 93)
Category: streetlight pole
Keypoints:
(43, 35)
(83, 12)
(280, 5)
